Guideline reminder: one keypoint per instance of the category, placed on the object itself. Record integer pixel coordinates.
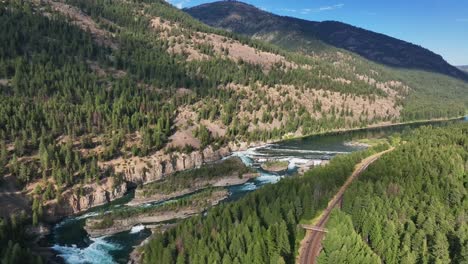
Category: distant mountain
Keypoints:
(463, 68)
(298, 34)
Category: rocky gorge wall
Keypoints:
(135, 170)
(73, 201)
(141, 170)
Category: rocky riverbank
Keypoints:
(115, 223)
(74, 201)
(134, 170)
(231, 180)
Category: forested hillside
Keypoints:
(88, 86)
(262, 227)
(99, 95)
(16, 241)
(408, 207)
(422, 70)
(312, 36)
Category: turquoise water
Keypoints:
(73, 245)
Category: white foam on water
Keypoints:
(246, 160)
(72, 219)
(252, 152)
(137, 229)
(249, 186)
(87, 215)
(269, 178)
(97, 252)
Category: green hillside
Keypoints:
(92, 88)
(420, 68)
(310, 36)
(410, 206)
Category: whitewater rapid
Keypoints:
(100, 250)
(97, 252)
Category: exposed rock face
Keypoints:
(148, 169)
(121, 225)
(74, 201)
(135, 170)
(94, 228)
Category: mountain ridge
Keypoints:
(463, 68)
(300, 34)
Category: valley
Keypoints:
(130, 121)
(296, 151)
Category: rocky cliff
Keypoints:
(135, 170)
(141, 170)
(78, 200)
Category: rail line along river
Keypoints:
(73, 245)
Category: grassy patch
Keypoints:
(275, 164)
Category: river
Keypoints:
(73, 245)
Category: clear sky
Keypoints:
(439, 25)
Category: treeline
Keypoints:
(13, 238)
(343, 245)
(261, 227)
(410, 206)
(54, 98)
(68, 103)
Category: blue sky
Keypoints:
(439, 25)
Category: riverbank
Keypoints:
(227, 181)
(75, 205)
(366, 142)
(117, 248)
(116, 222)
(233, 180)
(373, 126)
(228, 172)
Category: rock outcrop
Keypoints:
(77, 200)
(135, 170)
(140, 170)
(103, 226)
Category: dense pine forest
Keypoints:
(87, 85)
(54, 104)
(408, 207)
(262, 227)
(16, 242)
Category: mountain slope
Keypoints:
(312, 36)
(463, 68)
(98, 95)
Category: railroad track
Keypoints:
(314, 236)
